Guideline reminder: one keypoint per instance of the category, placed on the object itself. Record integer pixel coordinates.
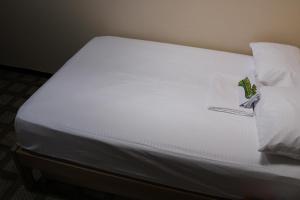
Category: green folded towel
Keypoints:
(249, 90)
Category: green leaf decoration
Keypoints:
(249, 90)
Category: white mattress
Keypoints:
(138, 108)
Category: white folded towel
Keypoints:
(224, 96)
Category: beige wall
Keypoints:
(43, 34)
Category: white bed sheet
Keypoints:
(138, 108)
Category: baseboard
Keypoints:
(27, 71)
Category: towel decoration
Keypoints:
(225, 96)
(249, 95)
(249, 91)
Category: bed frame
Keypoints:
(95, 179)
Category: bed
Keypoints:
(135, 111)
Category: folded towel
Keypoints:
(248, 103)
(224, 96)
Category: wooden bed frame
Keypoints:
(95, 179)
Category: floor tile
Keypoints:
(5, 184)
(10, 167)
(17, 87)
(5, 99)
(3, 83)
(7, 117)
(11, 75)
(28, 78)
(18, 102)
(9, 139)
(23, 194)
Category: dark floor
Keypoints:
(15, 87)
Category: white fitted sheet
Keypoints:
(138, 108)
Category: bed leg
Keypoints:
(24, 171)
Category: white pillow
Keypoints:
(278, 121)
(276, 64)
